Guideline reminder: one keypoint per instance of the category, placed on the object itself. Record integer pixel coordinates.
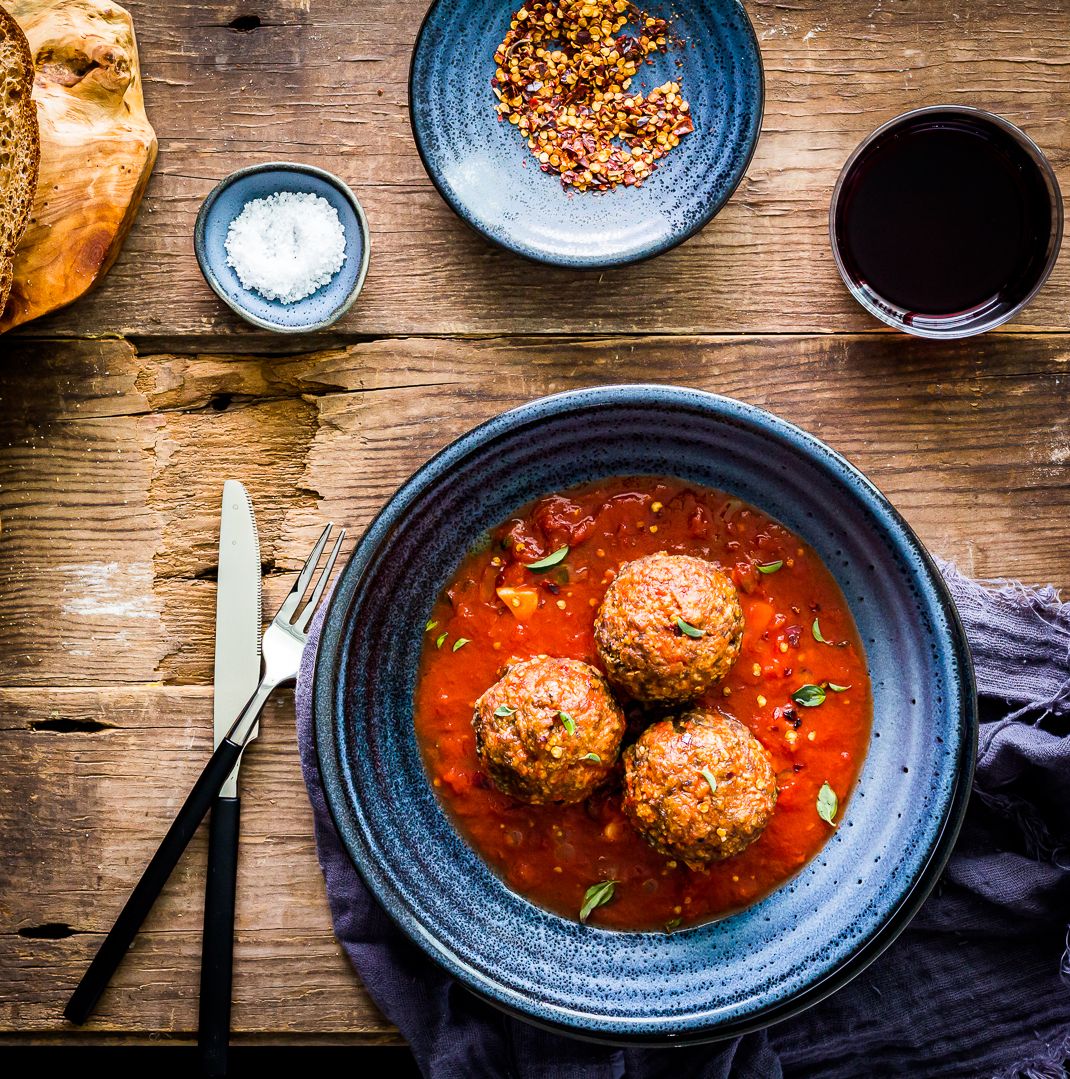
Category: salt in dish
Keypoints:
(286, 246)
(264, 184)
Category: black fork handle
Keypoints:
(217, 943)
(116, 943)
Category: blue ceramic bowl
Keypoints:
(719, 979)
(484, 170)
(226, 200)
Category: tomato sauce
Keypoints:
(553, 854)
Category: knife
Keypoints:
(237, 672)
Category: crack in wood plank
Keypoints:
(84, 816)
(119, 559)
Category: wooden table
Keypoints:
(124, 413)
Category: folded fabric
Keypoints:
(978, 985)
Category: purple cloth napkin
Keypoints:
(978, 985)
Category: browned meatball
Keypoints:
(549, 730)
(646, 650)
(672, 803)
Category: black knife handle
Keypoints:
(116, 943)
(217, 943)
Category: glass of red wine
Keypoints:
(946, 221)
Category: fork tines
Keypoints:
(293, 600)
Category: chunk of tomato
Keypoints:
(521, 603)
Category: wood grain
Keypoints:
(109, 481)
(110, 473)
(92, 780)
(326, 83)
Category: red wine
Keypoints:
(945, 213)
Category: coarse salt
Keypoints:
(287, 245)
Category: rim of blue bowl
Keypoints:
(282, 166)
(703, 220)
(379, 532)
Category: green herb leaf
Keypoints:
(708, 776)
(817, 633)
(827, 803)
(591, 757)
(438, 643)
(809, 696)
(568, 721)
(504, 710)
(598, 895)
(672, 923)
(690, 630)
(549, 561)
(770, 567)
(838, 689)
(461, 642)
(430, 626)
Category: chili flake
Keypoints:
(563, 76)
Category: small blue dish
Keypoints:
(719, 979)
(485, 172)
(223, 204)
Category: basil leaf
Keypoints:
(438, 643)
(827, 803)
(690, 630)
(817, 633)
(591, 757)
(809, 696)
(504, 710)
(430, 626)
(672, 923)
(598, 895)
(708, 776)
(568, 721)
(549, 561)
(838, 689)
(770, 567)
(460, 643)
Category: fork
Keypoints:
(282, 645)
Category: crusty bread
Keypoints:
(20, 144)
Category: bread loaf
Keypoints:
(97, 150)
(20, 144)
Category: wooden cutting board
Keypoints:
(97, 150)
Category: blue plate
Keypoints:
(719, 979)
(226, 200)
(484, 170)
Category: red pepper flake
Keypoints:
(563, 73)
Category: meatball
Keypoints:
(548, 731)
(671, 800)
(669, 627)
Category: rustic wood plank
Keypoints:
(105, 503)
(93, 778)
(326, 83)
(110, 468)
(110, 474)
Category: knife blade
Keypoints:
(238, 615)
(237, 672)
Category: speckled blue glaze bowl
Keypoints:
(484, 170)
(226, 200)
(719, 979)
